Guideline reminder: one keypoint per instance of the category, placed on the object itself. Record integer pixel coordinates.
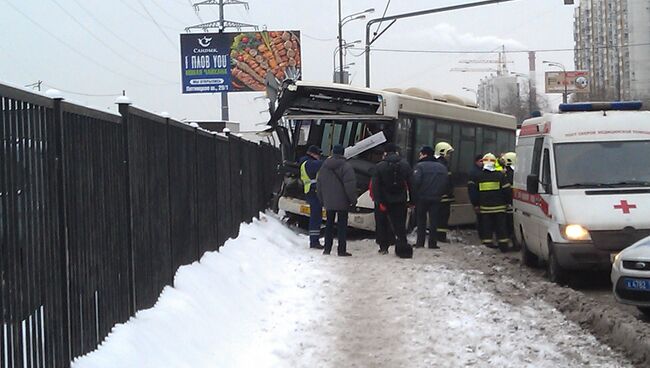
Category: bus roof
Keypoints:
(366, 103)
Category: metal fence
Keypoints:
(98, 211)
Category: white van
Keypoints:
(582, 185)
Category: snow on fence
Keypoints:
(97, 212)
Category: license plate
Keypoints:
(305, 211)
(637, 284)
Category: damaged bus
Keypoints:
(362, 120)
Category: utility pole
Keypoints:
(340, 45)
(221, 25)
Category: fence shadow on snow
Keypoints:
(98, 211)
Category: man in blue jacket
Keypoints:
(309, 167)
(430, 183)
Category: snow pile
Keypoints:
(217, 313)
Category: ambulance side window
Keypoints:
(537, 154)
(546, 172)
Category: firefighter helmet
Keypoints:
(443, 149)
(510, 158)
(489, 157)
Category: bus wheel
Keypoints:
(555, 272)
(527, 257)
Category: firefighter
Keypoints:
(494, 193)
(309, 167)
(509, 160)
(442, 154)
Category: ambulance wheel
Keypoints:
(527, 257)
(555, 272)
(645, 311)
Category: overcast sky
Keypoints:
(93, 47)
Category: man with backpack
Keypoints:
(391, 184)
(430, 182)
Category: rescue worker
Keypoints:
(337, 190)
(391, 184)
(442, 155)
(474, 173)
(509, 161)
(430, 182)
(492, 193)
(309, 167)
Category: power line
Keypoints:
(109, 47)
(126, 3)
(158, 25)
(84, 94)
(135, 48)
(196, 11)
(423, 51)
(83, 55)
(383, 16)
(317, 38)
(171, 16)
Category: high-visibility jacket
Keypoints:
(492, 190)
(309, 173)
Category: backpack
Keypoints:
(394, 179)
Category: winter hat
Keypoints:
(314, 149)
(426, 150)
(338, 149)
(390, 148)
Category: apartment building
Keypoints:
(612, 42)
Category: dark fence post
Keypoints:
(64, 351)
(124, 103)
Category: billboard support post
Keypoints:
(225, 116)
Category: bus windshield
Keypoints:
(602, 164)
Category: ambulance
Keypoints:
(582, 186)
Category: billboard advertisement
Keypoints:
(238, 61)
(576, 82)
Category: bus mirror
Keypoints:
(532, 184)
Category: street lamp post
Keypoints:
(342, 21)
(346, 45)
(561, 66)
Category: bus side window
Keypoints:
(489, 141)
(465, 153)
(503, 141)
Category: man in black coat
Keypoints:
(391, 184)
(337, 190)
(430, 183)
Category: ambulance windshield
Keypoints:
(603, 164)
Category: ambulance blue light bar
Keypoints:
(600, 106)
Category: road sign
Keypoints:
(576, 82)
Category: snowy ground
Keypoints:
(266, 300)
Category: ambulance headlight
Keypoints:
(574, 232)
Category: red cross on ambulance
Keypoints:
(624, 206)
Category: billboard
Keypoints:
(238, 61)
(576, 82)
